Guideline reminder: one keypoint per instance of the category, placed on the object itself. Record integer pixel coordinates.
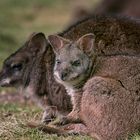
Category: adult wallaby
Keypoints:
(104, 88)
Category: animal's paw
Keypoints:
(72, 117)
(49, 115)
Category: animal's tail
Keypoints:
(47, 129)
(70, 129)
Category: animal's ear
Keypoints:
(57, 42)
(37, 42)
(86, 43)
(31, 35)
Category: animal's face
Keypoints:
(17, 67)
(71, 64)
(72, 61)
(12, 71)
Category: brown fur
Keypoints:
(53, 93)
(36, 78)
(73, 67)
(114, 35)
(110, 99)
(110, 104)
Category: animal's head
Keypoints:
(17, 66)
(72, 58)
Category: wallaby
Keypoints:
(72, 68)
(112, 94)
(26, 69)
(113, 35)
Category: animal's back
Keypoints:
(114, 35)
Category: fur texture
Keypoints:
(110, 105)
(113, 35)
(30, 68)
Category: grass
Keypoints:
(18, 19)
(12, 124)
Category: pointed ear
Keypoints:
(57, 42)
(86, 43)
(37, 42)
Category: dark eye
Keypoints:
(17, 67)
(58, 61)
(76, 63)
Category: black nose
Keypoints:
(64, 75)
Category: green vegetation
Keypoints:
(19, 18)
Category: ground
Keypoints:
(13, 118)
(18, 19)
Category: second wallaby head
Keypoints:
(73, 58)
(17, 67)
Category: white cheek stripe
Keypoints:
(6, 81)
(57, 74)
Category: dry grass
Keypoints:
(13, 118)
